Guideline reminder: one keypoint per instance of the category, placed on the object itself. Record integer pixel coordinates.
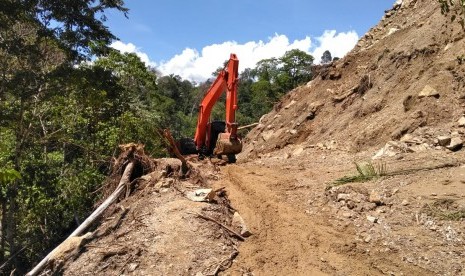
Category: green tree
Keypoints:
(271, 83)
(181, 112)
(267, 69)
(297, 65)
(247, 109)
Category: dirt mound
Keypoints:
(403, 75)
(164, 225)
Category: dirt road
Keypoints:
(298, 230)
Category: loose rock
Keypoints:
(444, 140)
(462, 121)
(298, 151)
(372, 219)
(375, 198)
(455, 144)
(310, 116)
(343, 197)
(239, 223)
(290, 104)
(428, 91)
(267, 135)
(347, 214)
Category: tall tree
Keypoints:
(180, 117)
(40, 41)
(244, 94)
(326, 57)
(267, 69)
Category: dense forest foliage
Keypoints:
(67, 100)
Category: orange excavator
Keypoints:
(217, 137)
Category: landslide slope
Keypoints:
(402, 86)
(392, 225)
(371, 96)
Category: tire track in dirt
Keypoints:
(287, 241)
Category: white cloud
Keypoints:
(131, 48)
(339, 44)
(198, 66)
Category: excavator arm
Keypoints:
(227, 142)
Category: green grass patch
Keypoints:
(366, 171)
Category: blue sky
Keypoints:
(193, 38)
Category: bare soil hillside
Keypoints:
(372, 95)
(296, 203)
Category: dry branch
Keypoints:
(428, 168)
(237, 235)
(248, 126)
(221, 265)
(11, 258)
(125, 179)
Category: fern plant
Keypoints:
(366, 172)
(8, 175)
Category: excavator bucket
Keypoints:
(225, 145)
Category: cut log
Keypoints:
(125, 180)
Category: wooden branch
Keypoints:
(96, 214)
(248, 126)
(11, 258)
(221, 265)
(239, 236)
(184, 167)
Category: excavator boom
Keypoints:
(222, 141)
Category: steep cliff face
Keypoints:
(404, 75)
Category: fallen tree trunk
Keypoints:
(125, 180)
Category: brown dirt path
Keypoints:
(287, 239)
